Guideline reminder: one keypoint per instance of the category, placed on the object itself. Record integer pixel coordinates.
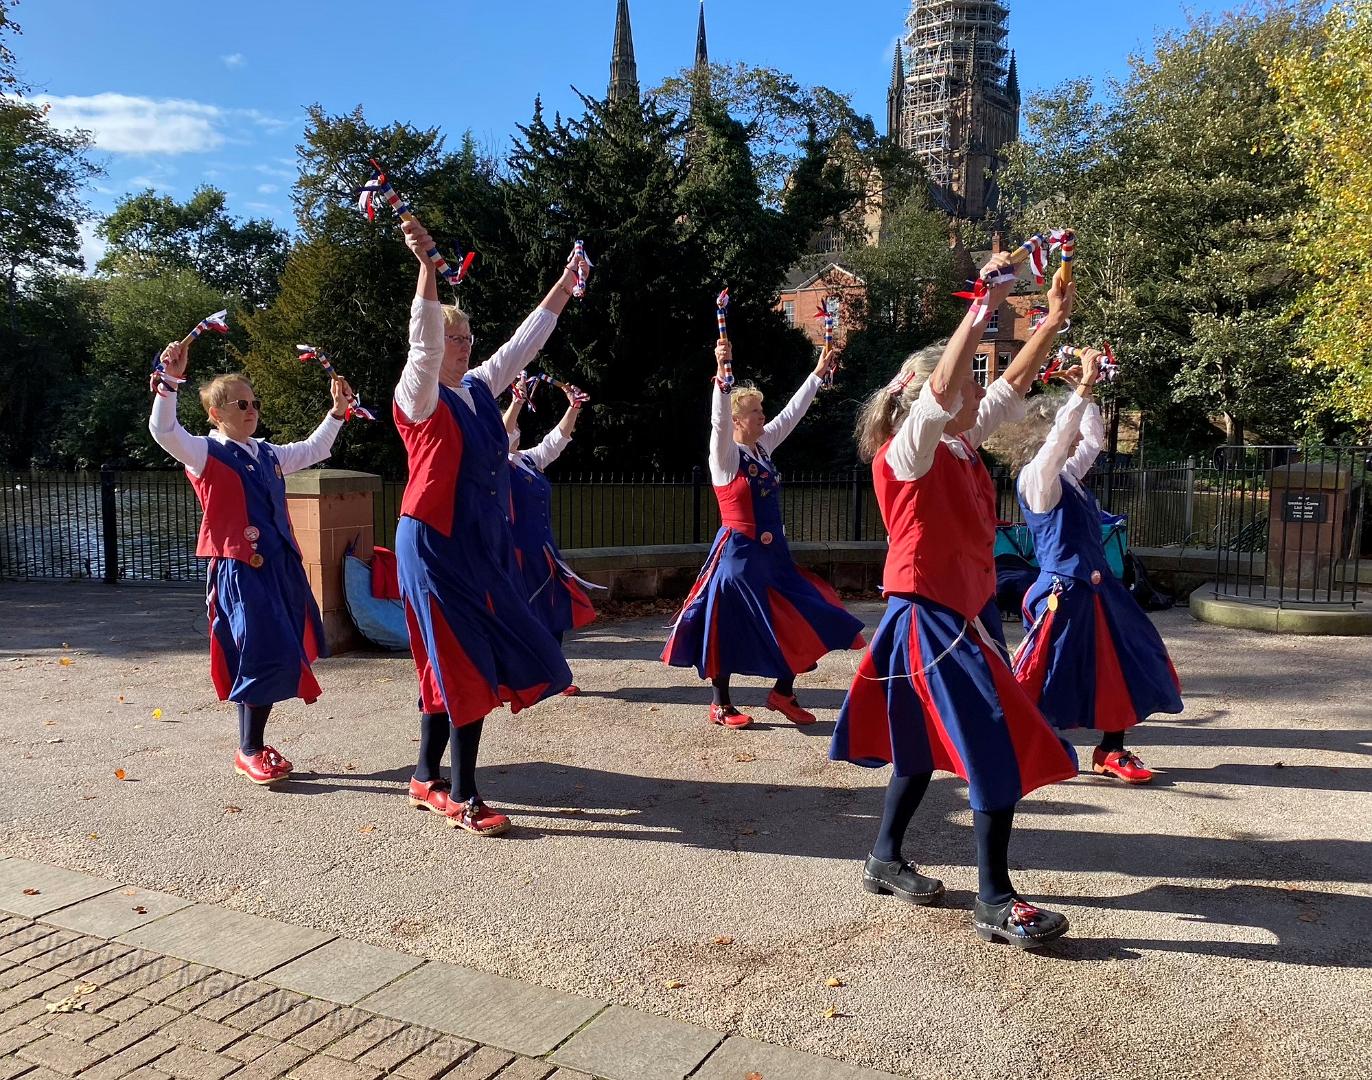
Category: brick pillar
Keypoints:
(331, 509)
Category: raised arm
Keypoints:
(416, 394)
(1040, 482)
(533, 333)
(1092, 427)
(723, 452)
(301, 455)
(912, 448)
(191, 450)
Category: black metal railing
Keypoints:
(1289, 531)
(122, 525)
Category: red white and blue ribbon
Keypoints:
(522, 389)
(366, 202)
(722, 321)
(1065, 241)
(355, 406)
(215, 324)
(1057, 367)
(979, 291)
(826, 314)
(579, 252)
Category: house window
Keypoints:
(992, 325)
(788, 309)
(981, 367)
(1003, 362)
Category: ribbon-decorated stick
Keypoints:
(577, 396)
(355, 406)
(366, 202)
(722, 321)
(1057, 367)
(1034, 251)
(826, 314)
(214, 323)
(579, 257)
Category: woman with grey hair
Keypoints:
(934, 690)
(1090, 656)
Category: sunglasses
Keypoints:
(256, 404)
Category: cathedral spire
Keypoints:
(702, 53)
(895, 94)
(623, 70)
(1011, 80)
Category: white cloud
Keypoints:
(92, 247)
(123, 124)
(272, 170)
(234, 60)
(266, 189)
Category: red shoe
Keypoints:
(728, 716)
(571, 691)
(476, 817)
(790, 708)
(430, 795)
(1122, 764)
(267, 766)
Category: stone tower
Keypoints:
(623, 70)
(958, 102)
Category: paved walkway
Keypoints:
(709, 878)
(101, 980)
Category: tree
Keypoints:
(150, 234)
(9, 80)
(778, 115)
(42, 173)
(1324, 90)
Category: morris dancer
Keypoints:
(557, 595)
(265, 630)
(1090, 657)
(476, 643)
(752, 611)
(934, 690)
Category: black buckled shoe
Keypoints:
(1017, 922)
(901, 880)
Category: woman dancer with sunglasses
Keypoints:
(265, 630)
(476, 642)
(934, 690)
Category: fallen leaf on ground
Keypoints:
(32, 892)
(157, 714)
(724, 940)
(121, 699)
(233, 809)
(66, 661)
(745, 757)
(66, 1005)
(54, 742)
(834, 982)
(130, 892)
(120, 774)
(88, 798)
(350, 768)
(672, 984)
(753, 1076)
(86, 988)
(93, 836)
(831, 1013)
(49, 723)
(140, 910)
(367, 828)
(1276, 764)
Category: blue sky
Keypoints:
(179, 94)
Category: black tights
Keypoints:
(719, 689)
(436, 734)
(252, 728)
(1111, 741)
(903, 795)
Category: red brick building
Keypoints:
(806, 291)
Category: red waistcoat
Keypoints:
(942, 530)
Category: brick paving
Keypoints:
(77, 1006)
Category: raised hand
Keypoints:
(342, 395)
(418, 240)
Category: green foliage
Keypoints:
(9, 80)
(1325, 89)
(42, 172)
(150, 234)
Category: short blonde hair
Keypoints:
(885, 410)
(215, 393)
(455, 316)
(742, 397)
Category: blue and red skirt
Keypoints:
(752, 611)
(1091, 658)
(934, 693)
(265, 630)
(556, 595)
(476, 642)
